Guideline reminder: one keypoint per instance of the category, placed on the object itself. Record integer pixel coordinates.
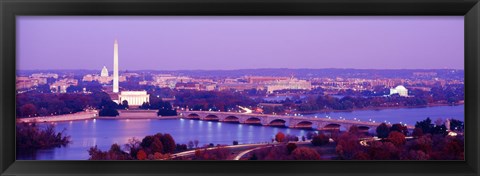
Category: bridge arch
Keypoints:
(304, 124)
(231, 119)
(211, 117)
(363, 128)
(331, 126)
(193, 116)
(278, 123)
(254, 120)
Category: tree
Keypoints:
(382, 130)
(423, 143)
(399, 128)
(304, 153)
(147, 141)
(456, 125)
(354, 130)
(180, 147)
(190, 144)
(383, 151)
(396, 138)
(439, 129)
(320, 139)
(310, 135)
(133, 146)
(417, 132)
(235, 143)
(361, 156)
(218, 153)
(28, 110)
(168, 143)
(196, 143)
(108, 112)
(347, 146)
(426, 125)
(141, 155)
(156, 146)
(291, 147)
(30, 137)
(280, 137)
(96, 154)
(291, 138)
(125, 104)
(115, 153)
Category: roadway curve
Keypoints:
(245, 146)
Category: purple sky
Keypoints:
(178, 43)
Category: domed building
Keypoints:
(104, 72)
(400, 90)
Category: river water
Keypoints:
(104, 133)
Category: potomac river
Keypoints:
(105, 132)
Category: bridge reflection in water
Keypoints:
(279, 120)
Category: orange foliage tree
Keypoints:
(280, 137)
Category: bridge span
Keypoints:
(278, 120)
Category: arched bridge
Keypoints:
(278, 120)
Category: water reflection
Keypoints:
(104, 133)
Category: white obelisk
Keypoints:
(115, 67)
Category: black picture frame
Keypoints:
(9, 9)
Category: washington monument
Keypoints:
(115, 67)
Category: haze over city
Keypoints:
(225, 43)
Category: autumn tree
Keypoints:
(280, 137)
(347, 146)
(383, 151)
(141, 155)
(157, 146)
(304, 153)
(396, 138)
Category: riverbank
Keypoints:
(376, 108)
(152, 114)
(84, 115)
(138, 118)
(93, 114)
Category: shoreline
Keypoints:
(137, 118)
(377, 108)
(94, 115)
(84, 115)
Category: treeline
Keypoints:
(153, 147)
(429, 143)
(164, 107)
(289, 151)
(451, 93)
(30, 137)
(32, 104)
(313, 103)
(214, 100)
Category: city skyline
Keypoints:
(256, 44)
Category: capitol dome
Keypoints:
(104, 72)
